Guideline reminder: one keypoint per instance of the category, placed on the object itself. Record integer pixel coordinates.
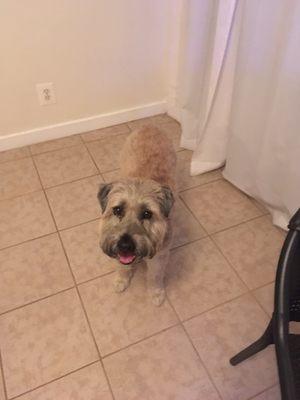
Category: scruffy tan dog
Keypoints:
(136, 210)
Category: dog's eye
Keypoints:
(118, 211)
(147, 214)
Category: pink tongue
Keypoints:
(126, 258)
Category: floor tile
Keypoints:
(105, 132)
(219, 205)
(119, 319)
(14, 154)
(86, 258)
(44, 341)
(221, 333)
(271, 394)
(18, 177)
(111, 176)
(185, 226)
(32, 270)
(173, 131)
(162, 119)
(253, 249)
(139, 123)
(199, 278)
(88, 383)
(294, 327)
(2, 395)
(76, 202)
(163, 367)
(259, 205)
(265, 297)
(24, 218)
(185, 180)
(64, 165)
(56, 144)
(106, 152)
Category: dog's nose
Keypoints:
(126, 244)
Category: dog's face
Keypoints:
(134, 220)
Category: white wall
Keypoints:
(101, 55)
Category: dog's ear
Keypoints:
(102, 195)
(167, 200)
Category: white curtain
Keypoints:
(238, 96)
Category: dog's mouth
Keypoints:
(126, 257)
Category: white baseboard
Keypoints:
(174, 112)
(80, 125)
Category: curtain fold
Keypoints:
(239, 96)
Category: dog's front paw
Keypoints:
(121, 284)
(158, 296)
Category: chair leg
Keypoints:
(260, 344)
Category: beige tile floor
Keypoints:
(65, 334)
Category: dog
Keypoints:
(136, 220)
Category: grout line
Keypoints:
(263, 391)
(186, 244)
(107, 136)
(94, 162)
(141, 340)
(236, 272)
(204, 183)
(80, 137)
(192, 344)
(199, 185)
(229, 263)
(262, 286)
(3, 378)
(52, 151)
(22, 195)
(81, 223)
(17, 159)
(95, 278)
(193, 214)
(94, 340)
(260, 306)
(107, 172)
(214, 307)
(127, 124)
(87, 319)
(249, 291)
(210, 234)
(36, 301)
(28, 241)
(50, 233)
(14, 161)
(45, 194)
(72, 181)
(54, 380)
(240, 223)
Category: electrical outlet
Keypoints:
(46, 94)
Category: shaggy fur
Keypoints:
(136, 210)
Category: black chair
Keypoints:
(286, 309)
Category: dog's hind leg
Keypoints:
(155, 276)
